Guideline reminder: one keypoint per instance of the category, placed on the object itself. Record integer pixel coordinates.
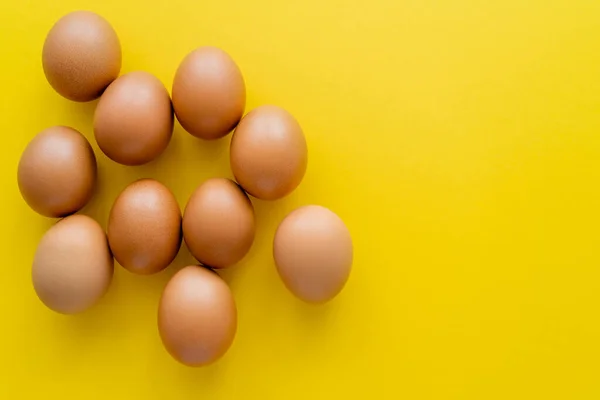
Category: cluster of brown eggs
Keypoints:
(133, 124)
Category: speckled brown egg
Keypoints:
(197, 316)
(72, 267)
(268, 153)
(81, 56)
(209, 94)
(133, 122)
(313, 253)
(57, 172)
(144, 227)
(218, 223)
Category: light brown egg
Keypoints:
(268, 153)
(218, 223)
(81, 56)
(197, 317)
(144, 227)
(72, 267)
(209, 94)
(313, 253)
(57, 172)
(133, 122)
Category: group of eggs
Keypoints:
(133, 124)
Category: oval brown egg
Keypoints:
(218, 223)
(313, 253)
(133, 122)
(81, 56)
(57, 172)
(144, 227)
(268, 153)
(209, 94)
(72, 267)
(197, 316)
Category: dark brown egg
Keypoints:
(218, 223)
(313, 253)
(268, 153)
(81, 56)
(72, 267)
(144, 227)
(197, 317)
(133, 122)
(209, 94)
(57, 172)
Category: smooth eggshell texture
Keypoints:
(209, 94)
(218, 223)
(313, 253)
(72, 267)
(57, 172)
(197, 316)
(81, 56)
(133, 122)
(268, 153)
(144, 227)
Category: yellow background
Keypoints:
(458, 139)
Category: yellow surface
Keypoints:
(459, 140)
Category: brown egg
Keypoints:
(218, 223)
(57, 172)
(133, 122)
(81, 56)
(144, 227)
(197, 317)
(268, 153)
(313, 253)
(72, 267)
(209, 94)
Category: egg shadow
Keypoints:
(80, 332)
(91, 322)
(206, 151)
(111, 179)
(235, 275)
(316, 316)
(194, 380)
(37, 229)
(272, 212)
(83, 113)
(78, 115)
(269, 213)
(212, 150)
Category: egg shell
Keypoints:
(197, 316)
(72, 267)
(218, 223)
(268, 153)
(133, 122)
(57, 172)
(313, 253)
(81, 56)
(144, 227)
(209, 93)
